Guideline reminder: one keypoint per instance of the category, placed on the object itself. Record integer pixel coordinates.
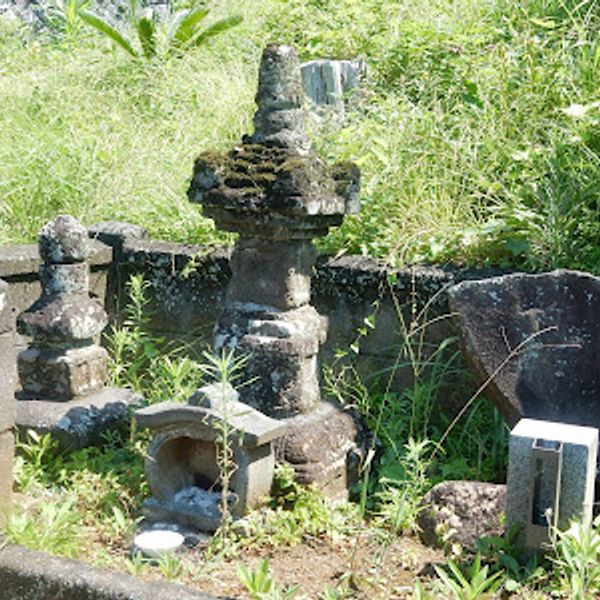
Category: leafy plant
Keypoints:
(473, 584)
(576, 560)
(52, 526)
(182, 32)
(261, 585)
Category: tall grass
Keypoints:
(478, 133)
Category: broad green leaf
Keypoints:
(216, 28)
(184, 28)
(147, 35)
(107, 29)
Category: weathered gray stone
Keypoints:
(8, 380)
(276, 193)
(551, 475)
(281, 375)
(115, 233)
(63, 362)
(30, 575)
(250, 427)
(7, 452)
(281, 273)
(330, 82)
(64, 240)
(61, 374)
(535, 339)
(461, 512)
(64, 319)
(80, 422)
(325, 447)
(183, 468)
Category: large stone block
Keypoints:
(62, 374)
(7, 453)
(551, 474)
(325, 447)
(272, 273)
(535, 340)
(81, 422)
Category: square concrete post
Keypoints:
(551, 475)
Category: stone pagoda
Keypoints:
(278, 195)
(63, 372)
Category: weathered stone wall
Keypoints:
(188, 285)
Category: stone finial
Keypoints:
(63, 360)
(279, 120)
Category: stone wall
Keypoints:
(188, 284)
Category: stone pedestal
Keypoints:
(551, 473)
(278, 195)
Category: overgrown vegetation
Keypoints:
(477, 132)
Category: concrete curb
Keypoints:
(30, 575)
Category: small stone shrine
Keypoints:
(7, 403)
(63, 372)
(277, 195)
(183, 465)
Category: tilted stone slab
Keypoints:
(7, 452)
(80, 422)
(536, 340)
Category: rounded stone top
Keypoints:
(64, 240)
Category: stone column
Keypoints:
(7, 402)
(278, 195)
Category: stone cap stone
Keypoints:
(558, 432)
(257, 429)
(63, 240)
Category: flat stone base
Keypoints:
(80, 422)
(7, 452)
(325, 447)
(59, 374)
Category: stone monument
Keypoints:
(277, 195)
(551, 474)
(63, 372)
(7, 403)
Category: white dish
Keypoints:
(157, 542)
